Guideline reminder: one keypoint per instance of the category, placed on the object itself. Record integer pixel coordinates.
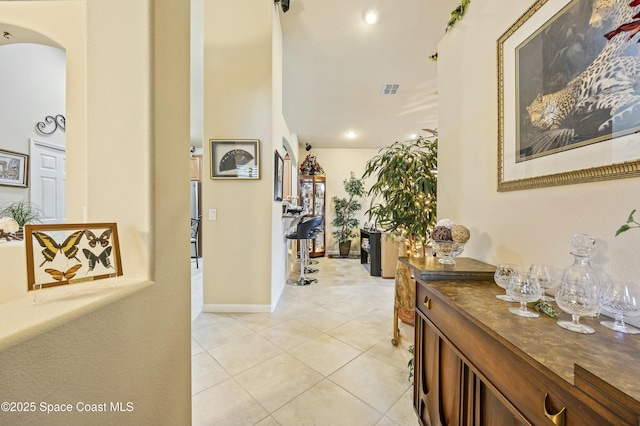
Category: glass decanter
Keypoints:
(579, 290)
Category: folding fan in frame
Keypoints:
(63, 254)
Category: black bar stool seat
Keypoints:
(306, 229)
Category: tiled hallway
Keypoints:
(323, 357)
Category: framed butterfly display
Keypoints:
(235, 159)
(62, 254)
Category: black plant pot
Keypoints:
(344, 248)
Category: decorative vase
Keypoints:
(344, 248)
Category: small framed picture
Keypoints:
(235, 159)
(60, 254)
(278, 177)
(14, 169)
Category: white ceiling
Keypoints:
(335, 67)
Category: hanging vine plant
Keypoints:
(456, 15)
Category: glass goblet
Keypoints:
(524, 291)
(503, 274)
(621, 299)
(578, 298)
(548, 276)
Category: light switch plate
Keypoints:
(212, 214)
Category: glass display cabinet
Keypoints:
(311, 193)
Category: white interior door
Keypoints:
(47, 180)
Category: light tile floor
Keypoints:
(323, 357)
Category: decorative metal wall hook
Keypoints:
(51, 124)
(7, 35)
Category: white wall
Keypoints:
(280, 131)
(238, 104)
(32, 87)
(337, 164)
(132, 159)
(522, 226)
(197, 79)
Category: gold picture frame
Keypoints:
(60, 254)
(597, 156)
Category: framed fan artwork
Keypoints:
(235, 159)
(60, 254)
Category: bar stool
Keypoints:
(306, 229)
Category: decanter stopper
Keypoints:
(582, 245)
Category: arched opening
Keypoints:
(33, 118)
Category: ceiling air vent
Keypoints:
(390, 88)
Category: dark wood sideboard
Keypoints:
(478, 364)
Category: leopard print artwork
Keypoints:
(548, 111)
(613, 87)
(609, 82)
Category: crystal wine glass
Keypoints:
(578, 298)
(621, 299)
(503, 273)
(548, 276)
(523, 290)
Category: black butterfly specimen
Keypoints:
(101, 258)
(103, 239)
(69, 247)
(64, 276)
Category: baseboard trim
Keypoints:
(236, 308)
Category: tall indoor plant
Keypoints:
(405, 190)
(346, 210)
(405, 194)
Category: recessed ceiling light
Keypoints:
(351, 134)
(413, 135)
(371, 16)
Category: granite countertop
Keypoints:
(612, 356)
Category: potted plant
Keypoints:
(406, 185)
(22, 212)
(346, 209)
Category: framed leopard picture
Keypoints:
(569, 94)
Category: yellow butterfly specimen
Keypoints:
(64, 276)
(69, 247)
(103, 239)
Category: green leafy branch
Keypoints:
(631, 223)
(544, 307)
(456, 15)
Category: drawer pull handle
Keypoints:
(558, 419)
(427, 302)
